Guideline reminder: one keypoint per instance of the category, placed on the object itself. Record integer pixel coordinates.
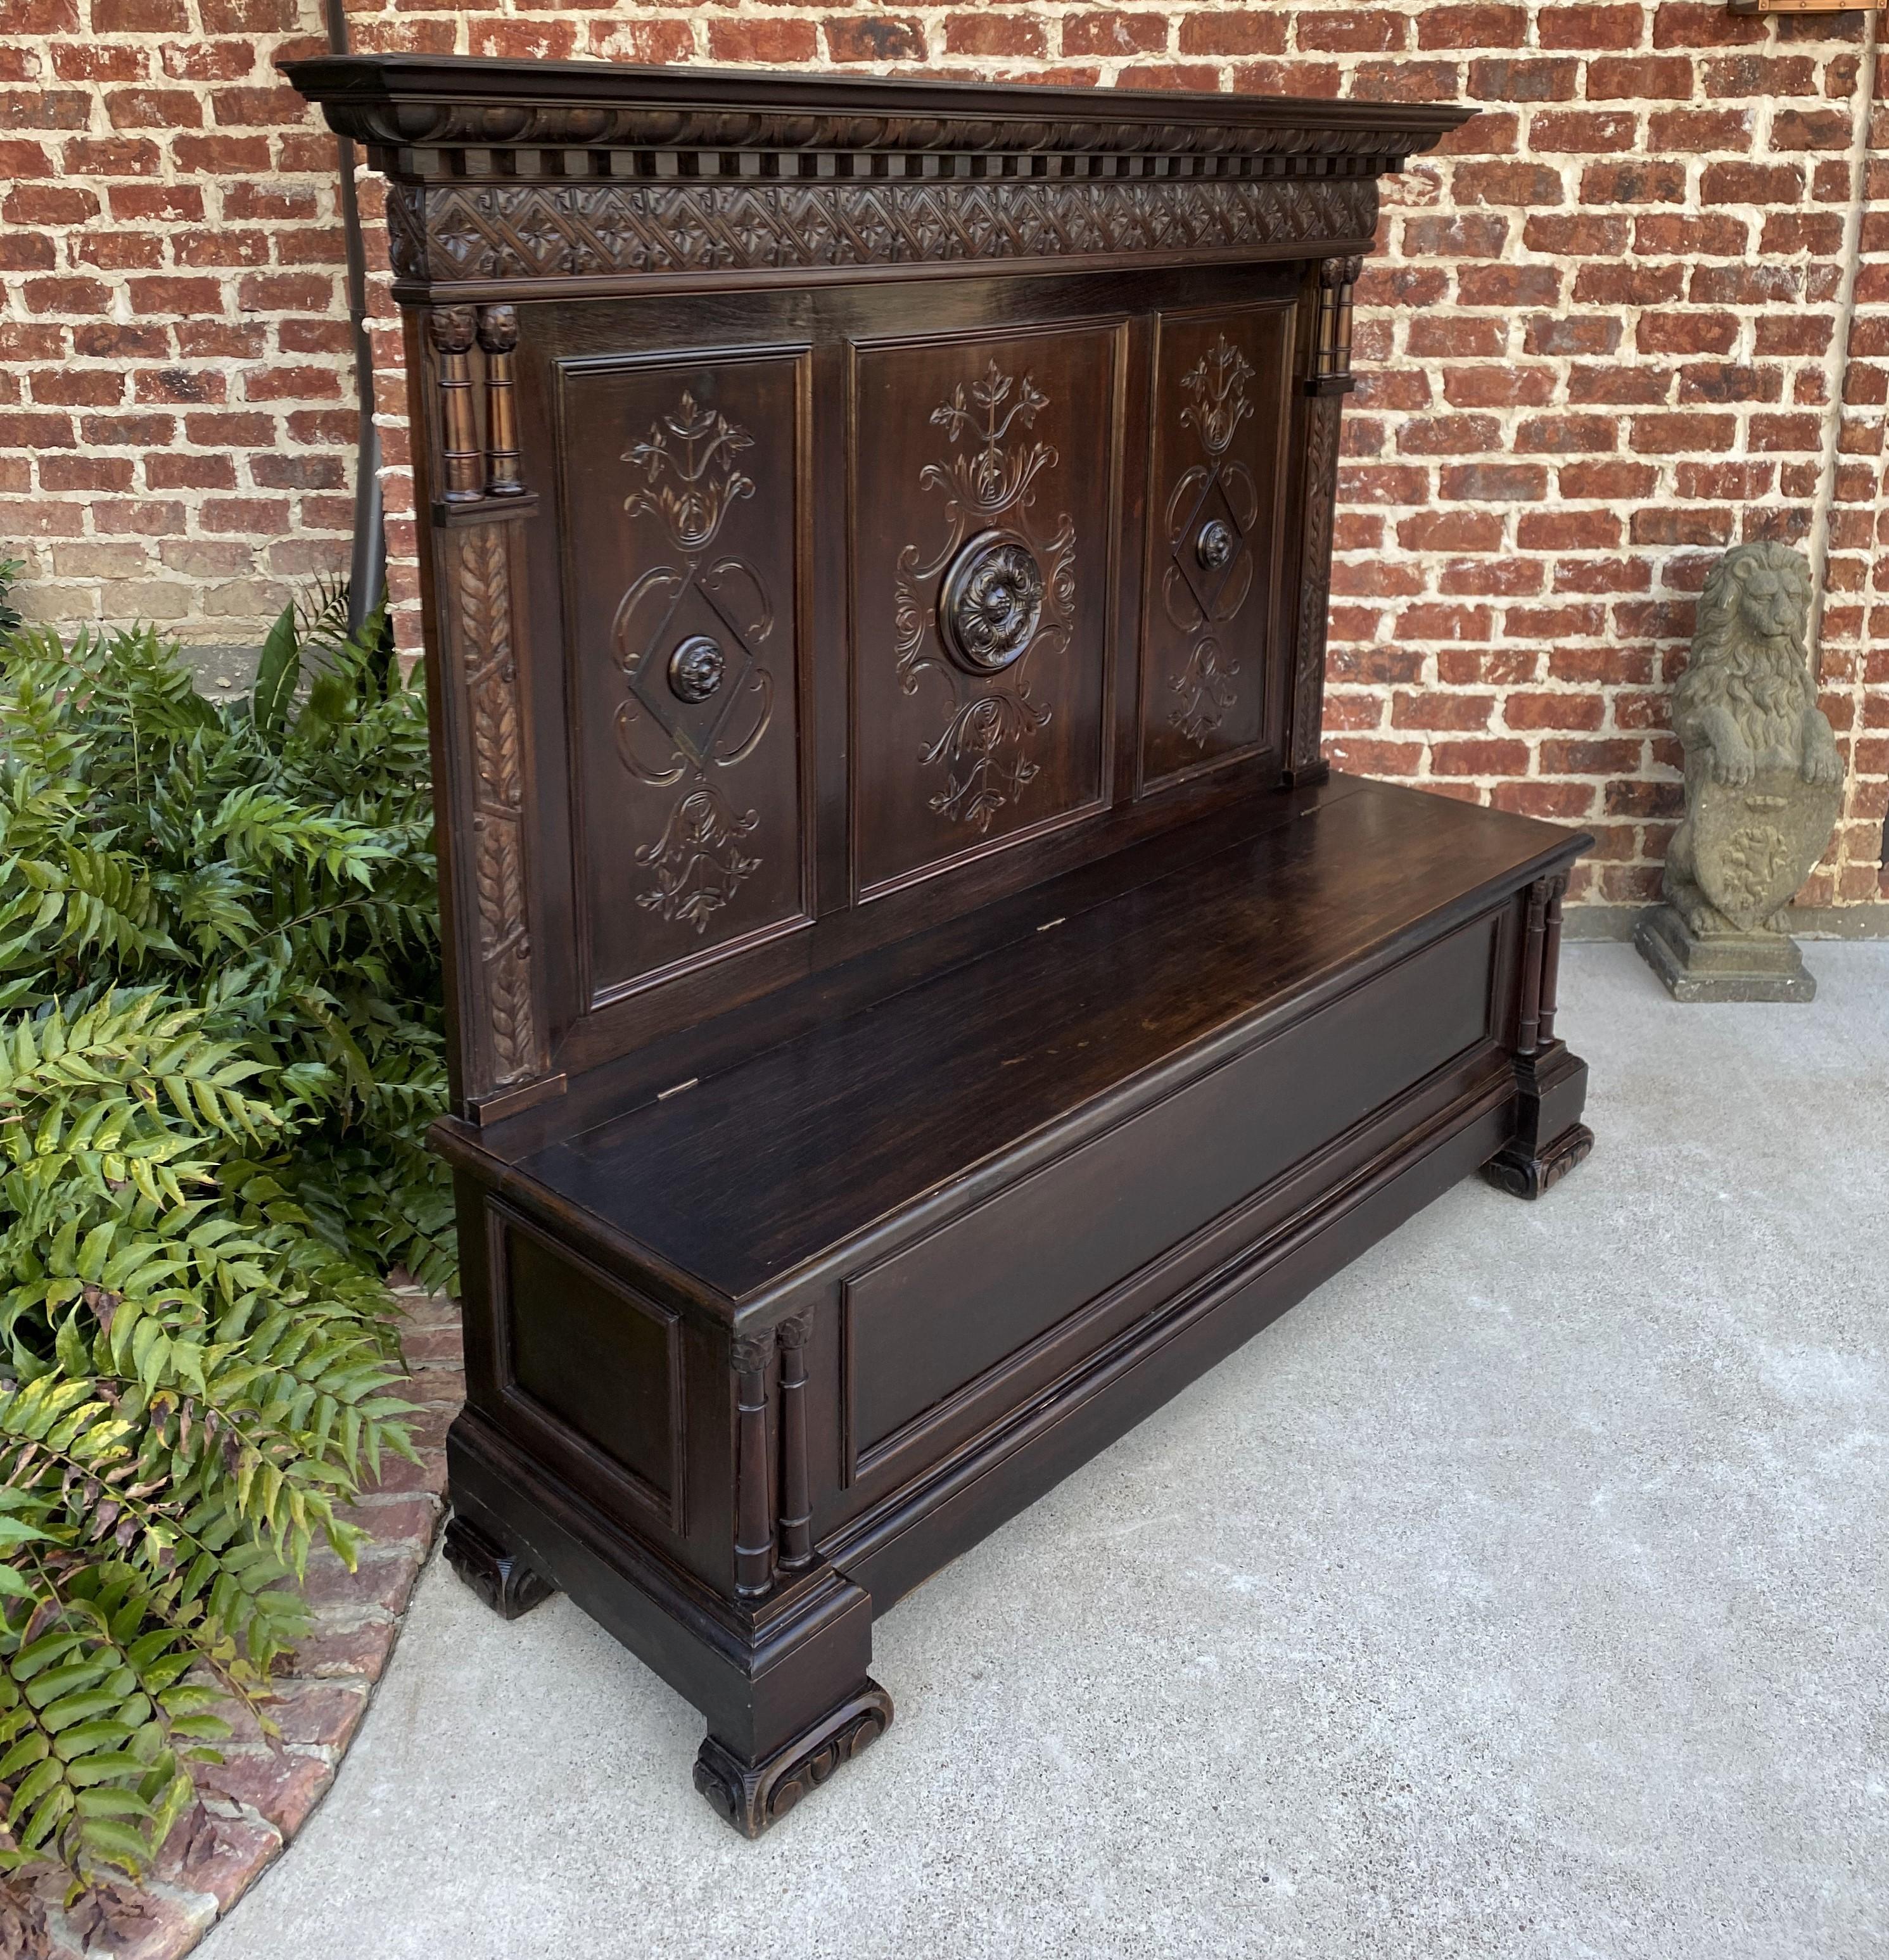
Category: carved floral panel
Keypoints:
(980, 565)
(1217, 417)
(681, 587)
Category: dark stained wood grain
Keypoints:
(1219, 418)
(916, 998)
(981, 454)
(732, 1180)
(684, 660)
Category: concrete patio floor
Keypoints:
(1523, 1592)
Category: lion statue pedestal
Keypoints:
(1764, 787)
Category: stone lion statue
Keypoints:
(1745, 710)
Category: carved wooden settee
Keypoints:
(918, 998)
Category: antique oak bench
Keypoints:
(918, 998)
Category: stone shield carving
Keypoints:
(1755, 843)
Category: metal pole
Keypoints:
(367, 567)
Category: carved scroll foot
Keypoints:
(502, 1578)
(1526, 1173)
(754, 1795)
(1549, 1138)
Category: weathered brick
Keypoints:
(49, 205)
(1508, 78)
(1492, 483)
(1494, 757)
(1640, 78)
(1751, 183)
(1474, 26)
(1609, 250)
(1585, 29)
(78, 387)
(1560, 434)
(1609, 479)
(1644, 181)
(1579, 235)
(1699, 131)
(1573, 334)
(153, 108)
(1507, 386)
(1014, 36)
(85, 472)
(1506, 578)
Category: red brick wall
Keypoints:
(1643, 312)
(175, 391)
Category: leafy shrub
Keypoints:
(220, 1043)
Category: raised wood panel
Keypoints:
(578, 1354)
(1217, 427)
(1026, 1260)
(981, 559)
(681, 567)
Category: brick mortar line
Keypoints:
(1738, 92)
(1838, 362)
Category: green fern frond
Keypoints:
(221, 1044)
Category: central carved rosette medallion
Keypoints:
(991, 602)
(973, 613)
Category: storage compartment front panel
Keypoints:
(929, 1322)
(584, 1360)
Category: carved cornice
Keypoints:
(428, 117)
(477, 233)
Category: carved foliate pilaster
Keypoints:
(488, 673)
(1321, 480)
(501, 1022)
(1328, 380)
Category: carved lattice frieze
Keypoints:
(529, 231)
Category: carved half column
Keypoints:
(751, 1357)
(797, 1501)
(1534, 949)
(478, 557)
(1550, 1083)
(453, 329)
(1551, 961)
(498, 336)
(1327, 381)
(774, 1505)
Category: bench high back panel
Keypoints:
(917, 998)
